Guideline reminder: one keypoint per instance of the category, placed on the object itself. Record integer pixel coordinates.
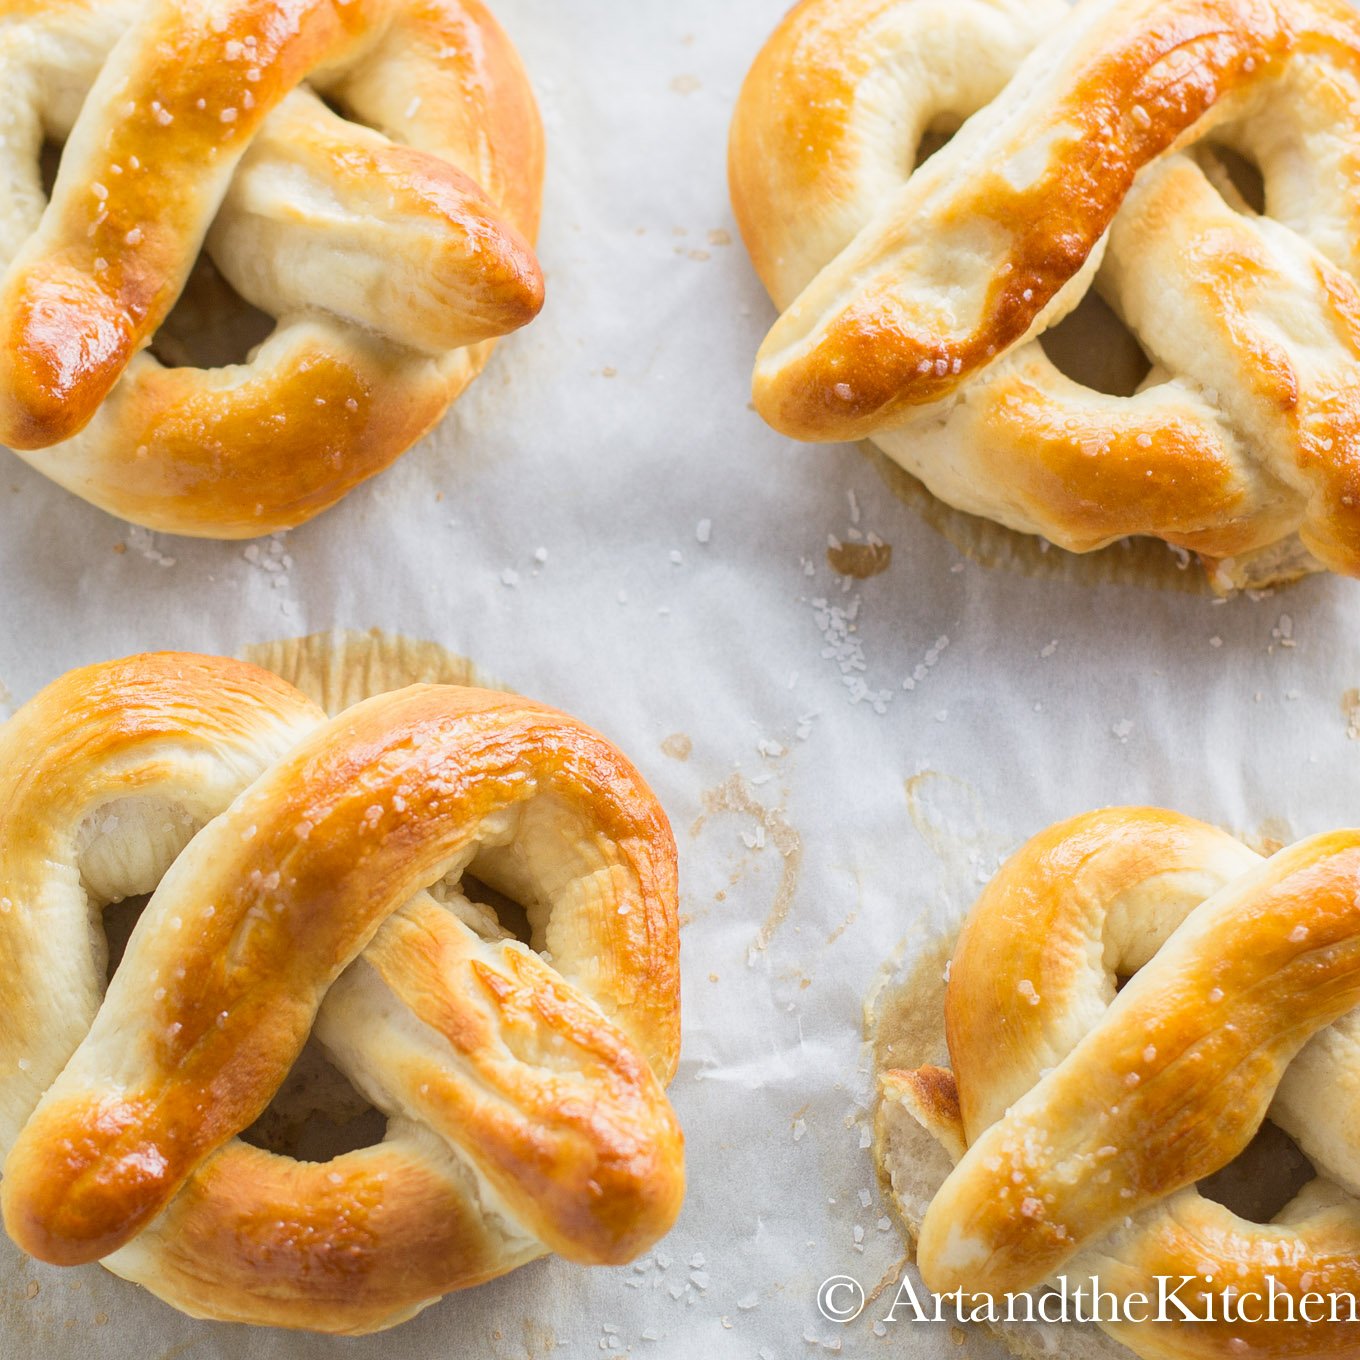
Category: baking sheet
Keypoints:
(844, 760)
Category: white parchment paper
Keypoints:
(683, 588)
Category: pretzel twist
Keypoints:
(389, 254)
(292, 860)
(912, 302)
(1080, 1120)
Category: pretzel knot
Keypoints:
(523, 1089)
(1080, 1120)
(1089, 151)
(389, 253)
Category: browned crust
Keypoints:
(592, 1161)
(845, 375)
(260, 1238)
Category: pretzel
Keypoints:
(1080, 1120)
(912, 302)
(389, 253)
(304, 874)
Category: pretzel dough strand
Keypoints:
(600, 1111)
(416, 251)
(523, 1118)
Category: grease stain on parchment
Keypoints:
(345, 666)
(904, 1013)
(678, 746)
(1270, 837)
(860, 560)
(36, 1316)
(947, 813)
(178, 1350)
(735, 795)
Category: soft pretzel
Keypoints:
(1081, 1119)
(303, 873)
(912, 302)
(390, 254)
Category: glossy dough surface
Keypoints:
(304, 875)
(390, 245)
(1081, 1113)
(1090, 154)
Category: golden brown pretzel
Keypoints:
(913, 301)
(389, 257)
(524, 1096)
(1080, 1120)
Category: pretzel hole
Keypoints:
(1262, 1178)
(211, 325)
(1093, 347)
(316, 1114)
(1237, 177)
(938, 134)
(510, 914)
(119, 918)
(49, 160)
(341, 109)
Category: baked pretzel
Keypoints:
(390, 254)
(1080, 1119)
(292, 860)
(912, 302)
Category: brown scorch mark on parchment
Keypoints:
(860, 560)
(734, 795)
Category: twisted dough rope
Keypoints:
(1081, 1119)
(911, 310)
(524, 1098)
(390, 258)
